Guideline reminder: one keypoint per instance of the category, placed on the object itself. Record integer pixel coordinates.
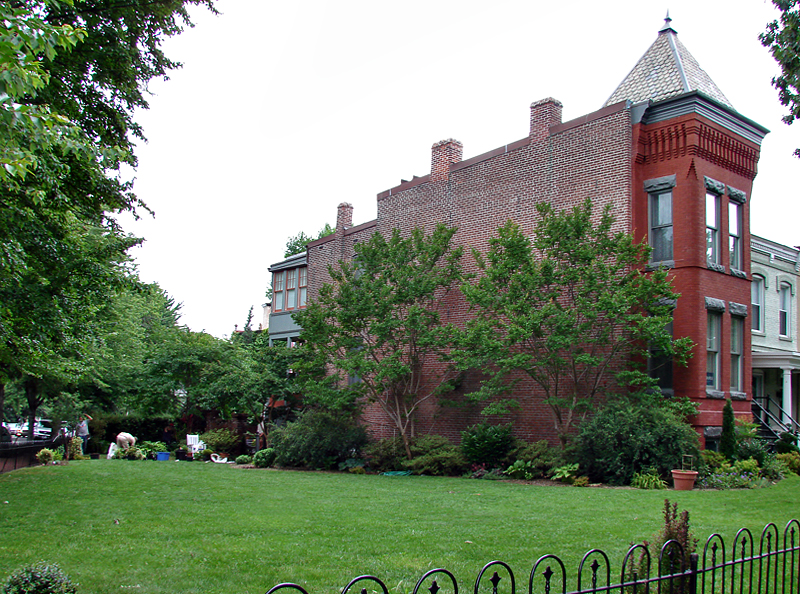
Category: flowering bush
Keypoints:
(744, 474)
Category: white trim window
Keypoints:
(737, 351)
(291, 288)
(712, 228)
(661, 227)
(277, 290)
(735, 234)
(785, 310)
(302, 287)
(757, 302)
(712, 350)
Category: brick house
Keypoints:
(674, 160)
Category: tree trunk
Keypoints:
(32, 386)
(406, 443)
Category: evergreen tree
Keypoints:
(727, 441)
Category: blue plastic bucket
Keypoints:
(162, 456)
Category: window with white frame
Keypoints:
(735, 234)
(785, 309)
(737, 350)
(661, 226)
(712, 228)
(278, 290)
(289, 289)
(757, 301)
(712, 350)
(302, 286)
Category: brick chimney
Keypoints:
(443, 154)
(544, 114)
(344, 216)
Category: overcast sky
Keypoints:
(285, 109)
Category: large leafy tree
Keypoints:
(565, 309)
(782, 38)
(67, 120)
(259, 380)
(379, 324)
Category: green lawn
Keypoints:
(166, 527)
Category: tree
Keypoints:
(257, 379)
(782, 38)
(727, 440)
(24, 40)
(297, 243)
(379, 325)
(564, 309)
(67, 123)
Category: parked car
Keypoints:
(42, 429)
(5, 434)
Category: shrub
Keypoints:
(435, 455)
(566, 473)
(264, 458)
(727, 441)
(540, 459)
(581, 481)
(713, 461)
(318, 439)
(753, 448)
(205, 455)
(352, 465)
(774, 469)
(787, 442)
(386, 454)
(487, 444)
(648, 480)
(729, 478)
(149, 449)
(75, 448)
(244, 459)
(132, 453)
(624, 438)
(220, 440)
(676, 527)
(792, 461)
(39, 578)
(523, 471)
(45, 456)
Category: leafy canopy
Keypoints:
(564, 309)
(379, 322)
(782, 38)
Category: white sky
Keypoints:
(285, 109)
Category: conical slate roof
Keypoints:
(666, 70)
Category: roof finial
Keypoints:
(667, 25)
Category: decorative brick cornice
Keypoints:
(695, 138)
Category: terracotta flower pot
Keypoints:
(684, 479)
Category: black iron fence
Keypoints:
(772, 566)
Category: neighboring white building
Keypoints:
(774, 328)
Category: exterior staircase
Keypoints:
(773, 420)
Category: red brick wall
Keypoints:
(692, 147)
(601, 156)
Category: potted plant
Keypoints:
(684, 478)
